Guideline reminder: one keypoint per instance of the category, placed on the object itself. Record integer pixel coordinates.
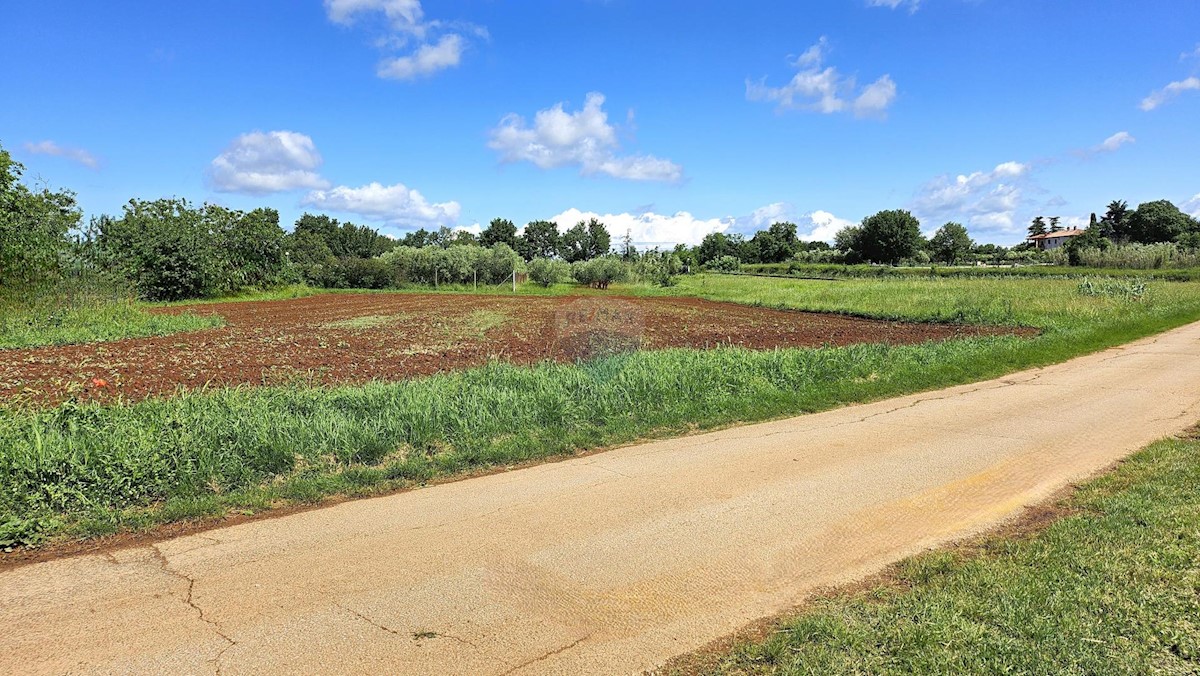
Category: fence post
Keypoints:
(514, 279)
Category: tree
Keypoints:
(165, 248)
(1090, 239)
(951, 243)
(628, 250)
(890, 237)
(1038, 227)
(33, 227)
(540, 240)
(547, 271)
(500, 230)
(600, 272)
(1054, 226)
(716, 244)
(777, 243)
(1115, 223)
(1159, 221)
(847, 240)
(585, 241)
(250, 244)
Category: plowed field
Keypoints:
(341, 338)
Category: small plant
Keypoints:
(725, 264)
(548, 272)
(1125, 289)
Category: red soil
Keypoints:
(398, 336)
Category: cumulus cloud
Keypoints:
(824, 89)
(986, 200)
(583, 138)
(259, 163)
(649, 229)
(912, 5)
(55, 150)
(1192, 206)
(428, 59)
(396, 205)
(1172, 90)
(406, 24)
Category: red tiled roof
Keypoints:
(1060, 233)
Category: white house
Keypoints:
(1053, 240)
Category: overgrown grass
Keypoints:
(1113, 588)
(53, 321)
(830, 270)
(82, 470)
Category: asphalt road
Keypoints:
(611, 563)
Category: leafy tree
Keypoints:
(1038, 227)
(848, 241)
(464, 238)
(628, 251)
(540, 240)
(416, 239)
(717, 244)
(251, 245)
(951, 243)
(725, 264)
(1054, 226)
(500, 230)
(33, 227)
(1090, 239)
(1115, 223)
(890, 237)
(1159, 221)
(599, 272)
(775, 244)
(165, 248)
(548, 271)
(585, 241)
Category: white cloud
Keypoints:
(55, 150)
(583, 138)
(394, 204)
(428, 59)
(1194, 54)
(403, 14)
(1192, 206)
(912, 5)
(825, 90)
(1115, 141)
(407, 23)
(649, 229)
(1161, 96)
(259, 163)
(822, 226)
(986, 200)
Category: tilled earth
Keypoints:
(344, 338)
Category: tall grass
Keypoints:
(79, 470)
(51, 318)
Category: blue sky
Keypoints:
(670, 119)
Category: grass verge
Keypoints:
(830, 270)
(84, 470)
(1113, 587)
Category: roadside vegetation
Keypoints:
(81, 470)
(1110, 587)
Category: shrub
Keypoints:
(725, 264)
(547, 271)
(599, 272)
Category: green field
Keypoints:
(1113, 587)
(82, 470)
(87, 320)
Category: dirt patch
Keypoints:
(343, 339)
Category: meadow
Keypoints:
(86, 469)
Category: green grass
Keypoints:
(82, 470)
(830, 270)
(1112, 588)
(88, 321)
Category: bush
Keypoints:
(547, 271)
(598, 273)
(725, 264)
(458, 264)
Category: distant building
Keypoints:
(1053, 240)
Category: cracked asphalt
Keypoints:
(611, 563)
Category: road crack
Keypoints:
(546, 656)
(165, 565)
